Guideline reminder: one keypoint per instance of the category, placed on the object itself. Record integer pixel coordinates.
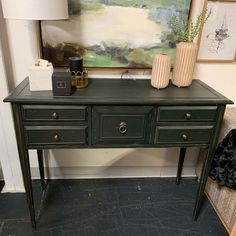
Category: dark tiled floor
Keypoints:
(118, 207)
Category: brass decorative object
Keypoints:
(79, 79)
(79, 76)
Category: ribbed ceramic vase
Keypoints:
(186, 56)
(161, 71)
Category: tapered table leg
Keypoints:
(24, 161)
(41, 168)
(202, 184)
(28, 185)
(180, 164)
(207, 164)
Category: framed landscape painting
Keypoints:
(113, 33)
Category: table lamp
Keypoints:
(35, 10)
(39, 77)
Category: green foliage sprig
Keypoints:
(187, 30)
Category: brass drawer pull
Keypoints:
(55, 115)
(184, 137)
(123, 128)
(56, 137)
(188, 116)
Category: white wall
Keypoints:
(107, 162)
(220, 76)
(8, 149)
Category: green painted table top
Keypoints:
(122, 91)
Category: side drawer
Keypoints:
(54, 113)
(187, 113)
(122, 125)
(38, 135)
(183, 134)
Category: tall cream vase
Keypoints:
(186, 56)
(161, 71)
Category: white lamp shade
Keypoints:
(35, 9)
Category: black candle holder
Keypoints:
(76, 64)
(79, 76)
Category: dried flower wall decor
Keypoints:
(218, 36)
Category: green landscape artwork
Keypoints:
(113, 33)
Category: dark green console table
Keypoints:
(114, 113)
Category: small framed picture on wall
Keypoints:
(218, 37)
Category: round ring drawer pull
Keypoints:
(184, 137)
(56, 137)
(55, 115)
(123, 128)
(188, 116)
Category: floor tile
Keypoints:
(110, 207)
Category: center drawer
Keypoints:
(38, 135)
(120, 125)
